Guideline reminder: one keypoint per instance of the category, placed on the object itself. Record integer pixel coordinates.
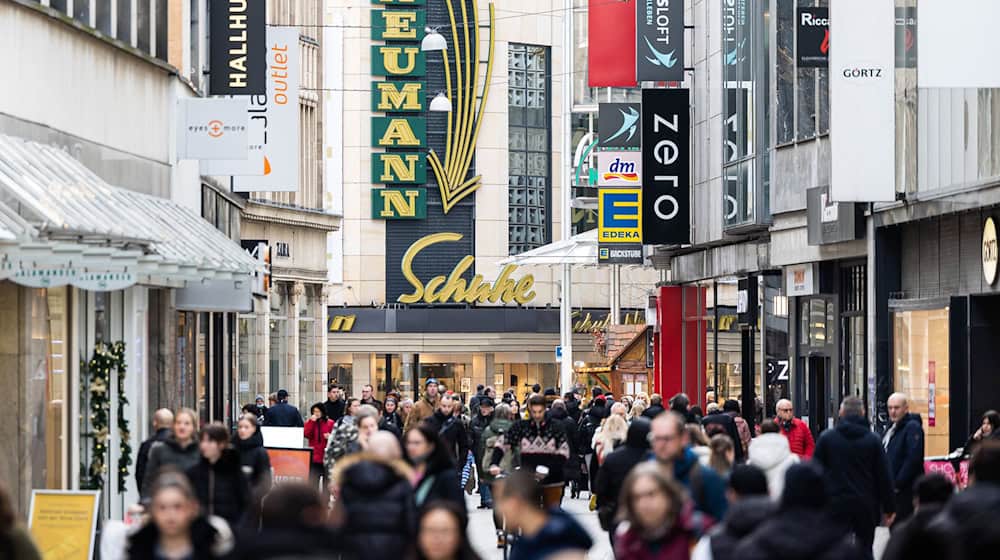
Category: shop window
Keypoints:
(104, 17)
(185, 371)
(202, 372)
(278, 353)
(124, 22)
(246, 389)
(45, 363)
(633, 384)
(388, 374)
(340, 373)
(921, 372)
(803, 99)
(81, 11)
(529, 147)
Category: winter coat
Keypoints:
(722, 423)
(743, 428)
(573, 409)
(800, 438)
(497, 428)
(283, 415)
(905, 453)
(211, 539)
(771, 453)
(422, 410)
(334, 409)
(706, 488)
(477, 426)
(343, 441)
(653, 411)
(616, 467)
(16, 544)
(453, 433)
(221, 487)
(373, 402)
(169, 453)
(857, 474)
(573, 467)
(561, 533)
(743, 518)
(394, 419)
(316, 433)
(142, 456)
(967, 527)
(537, 444)
(377, 498)
(589, 424)
(255, 462)
(912, 539)
(798, 534)
(675, 545)
(439, 483)
(287, 543)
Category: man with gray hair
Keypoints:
(904, 449)
(857, 474)
(163, 421)
(800, 438)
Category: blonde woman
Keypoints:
(613, 432)
(637, 409)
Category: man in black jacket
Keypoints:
(368, 397)
(904, 449)
(163, 420)
(616, 467)
(721, 423)
(334, 404)
(655, 407)
(451, 429)
(856, 474)
(282, 414)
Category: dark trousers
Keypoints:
(855, 516)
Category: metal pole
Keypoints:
(616, 294)
(566, 302)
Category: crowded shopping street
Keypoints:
(499, 280)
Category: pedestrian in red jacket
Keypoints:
(800, 438)
(317, 430)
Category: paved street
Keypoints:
(484, 538)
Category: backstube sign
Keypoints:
(666, 167)
(239, 66)
(659, 39)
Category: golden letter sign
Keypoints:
(453, 288)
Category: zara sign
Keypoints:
(990, 251)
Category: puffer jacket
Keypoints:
(221, 487)
(169, 453)
(771, 453)
(497, 428)
(316, 433)
(381, 516)
(560, 534)
(743, 518)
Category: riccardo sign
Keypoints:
(453, 288)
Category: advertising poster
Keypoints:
(813, 37)
(290, 465)
(63, 523)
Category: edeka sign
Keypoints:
(619, 214)
(237, 47)
(666, 167)
(453, 288)
(659, 40)
(399, 203)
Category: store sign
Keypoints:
(399, 132)
(619, 169)
(812, 48)
(453, 288)
(399, 167)
(398, 25)
(63, 523)
(619, 215)
(906, 37)
(990, 251)
(261, 251)
(277, 112)
(666, 167)
(659, 40)
(620, 253)
(619, 126)
(736, 40)
(398, 97)
(213, 128)
(931, 393)
(341, 323)
(800, 280)
(399, 203)
(236, 47)
(589, 322)
(863, 101)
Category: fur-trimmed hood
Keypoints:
(383, 471)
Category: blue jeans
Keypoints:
(485, 495)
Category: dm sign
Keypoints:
(401, 96)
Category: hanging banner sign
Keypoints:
(236, 48)
(906, 37)
(619, 126)
(611, 53)
(659, 40)
(863, 101)
(619, 216)
(253, 164)
(278, 113)
(666, 167)
(813, 37)
(399, 203)
(737, 63)
(213, 128)
(63, 523)
(619, 169)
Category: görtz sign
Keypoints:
(990, 251)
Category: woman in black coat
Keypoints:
(435, 475)
(218, 479)
(253, 457)
(376, 497)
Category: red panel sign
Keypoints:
(290, 465)
(611, 43)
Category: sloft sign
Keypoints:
(666, 167)
(659, 40)
(236, 47)
(401, 96)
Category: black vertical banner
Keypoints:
(813, 37)
(659, 40)
(236, 48)
(666, 167)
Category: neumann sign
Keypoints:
(659, 40)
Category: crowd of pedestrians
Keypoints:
(390, 480)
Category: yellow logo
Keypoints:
(342, 323)
(454, 288)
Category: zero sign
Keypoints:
(666, 215)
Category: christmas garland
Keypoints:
(104, 360)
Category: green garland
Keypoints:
(104, 360)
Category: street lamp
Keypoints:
(433, 41)
(441, 103)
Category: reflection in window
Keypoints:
(921, 371)
(529, 147)
(785, 86)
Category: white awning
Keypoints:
(62, 224)
(581, 249)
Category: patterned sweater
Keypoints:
(537, 444)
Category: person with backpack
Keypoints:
(503, 419)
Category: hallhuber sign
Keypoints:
(236, 46)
